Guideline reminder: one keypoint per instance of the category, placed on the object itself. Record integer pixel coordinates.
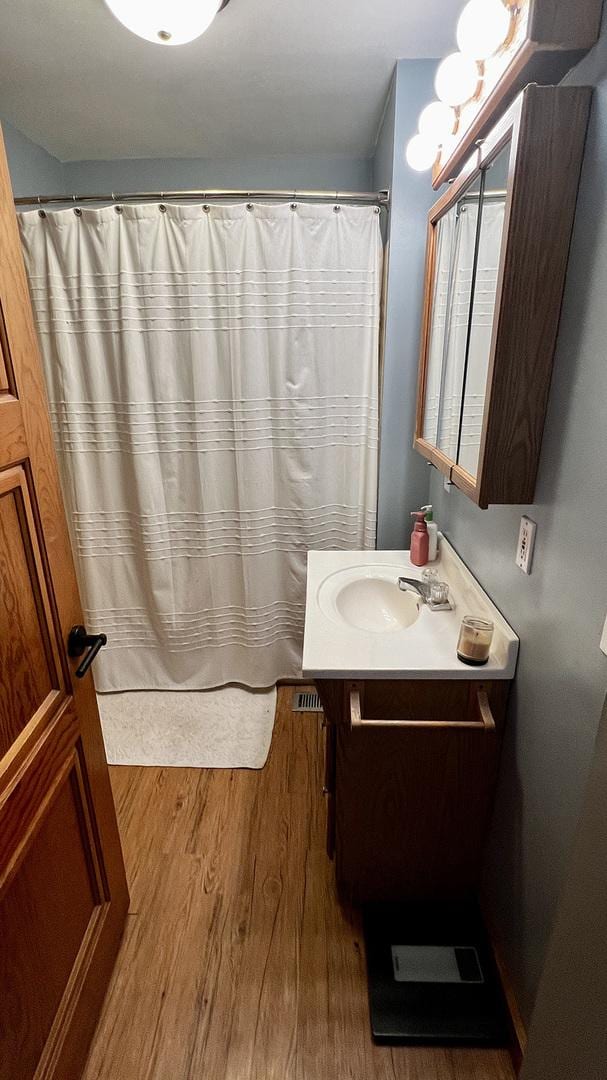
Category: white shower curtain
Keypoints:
(212, 377)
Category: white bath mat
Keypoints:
(229, 728)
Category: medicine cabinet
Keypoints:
(498, 243)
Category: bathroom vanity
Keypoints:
(413, 735)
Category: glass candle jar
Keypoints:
(475, 639)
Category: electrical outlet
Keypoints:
(526, 542)
(604, 639)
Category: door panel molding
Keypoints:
(30, 793)
(7, 378)
(13, 445)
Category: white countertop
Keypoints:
(424, 650)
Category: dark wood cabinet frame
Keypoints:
(546, 130)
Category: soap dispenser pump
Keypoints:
(419, 539)
(432, 533)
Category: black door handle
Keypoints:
(77, 644)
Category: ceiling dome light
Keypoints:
(457, 79)
(421, 153)
(437, 122)
(166, 22)
(482, 28)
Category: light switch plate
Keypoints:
(604, 638)
(526, 542)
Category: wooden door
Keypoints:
(63, 894)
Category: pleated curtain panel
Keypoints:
(213, 382)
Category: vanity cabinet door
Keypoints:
(330, 731)
(414, 787)
(332, 696)
(498, 243)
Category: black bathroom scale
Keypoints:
(432, 977)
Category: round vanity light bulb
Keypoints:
(421, 153)
(437, 121)
(482, 28)
(457, 79)
(165, 22)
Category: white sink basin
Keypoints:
(359, 625)
(368, 598)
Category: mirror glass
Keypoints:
(458, 318)
(454, 240)
(488, 248)
(444, 233)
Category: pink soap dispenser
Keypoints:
(419, 539)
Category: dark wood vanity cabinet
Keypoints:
(410, 775)
(497, 251)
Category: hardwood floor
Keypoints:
(237, 962)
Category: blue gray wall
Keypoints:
(32, 169)
(36, 172)
(559, 610)
(403, 480)
(333, 173)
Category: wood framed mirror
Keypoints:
(497, 251)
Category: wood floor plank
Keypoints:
(238, 962)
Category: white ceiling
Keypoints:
(270, 77)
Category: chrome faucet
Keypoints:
(424, 591)
(406, 584)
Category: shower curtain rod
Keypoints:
(471, 196)
(373, 198)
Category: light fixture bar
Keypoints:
(503, 46)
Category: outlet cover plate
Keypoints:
(526, 543)
(604, 639)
